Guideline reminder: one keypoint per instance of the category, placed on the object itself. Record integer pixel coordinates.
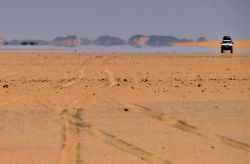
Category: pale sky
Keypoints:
(47, 19)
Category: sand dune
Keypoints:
(125, 108)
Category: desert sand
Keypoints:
(124, 108)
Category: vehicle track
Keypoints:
(72, 124)
(71, 145)
(183, 126)
(81, 75)
(77, 80)
(107, 138)
(109, 73)
(122, 145)
(111, 78)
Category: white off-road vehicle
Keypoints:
(227, 44)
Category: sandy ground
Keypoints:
(124, 108)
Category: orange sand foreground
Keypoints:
(216, 44)
(124, 108)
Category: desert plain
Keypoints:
(123, 108)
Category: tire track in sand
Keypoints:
(81, 75)
(111, 77)
(113, 140)
(121, 144)
(72, 124)
(77, 80)
(183, 126)
(109, 73)
(71, 145)
(179, 124)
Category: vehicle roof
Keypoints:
(226, 38)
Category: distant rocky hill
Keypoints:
(138, 40)
(201, 39)
(109, 41)
(29, 42)
(3, 41)
(154, 40)
(69, 41)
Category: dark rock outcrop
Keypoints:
(109, 41)
(69, 41)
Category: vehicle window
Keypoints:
(226, 41)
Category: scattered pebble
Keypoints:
(5, 86)
(126, 109)
(199, 85)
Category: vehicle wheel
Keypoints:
(221, 51)
(231, 51)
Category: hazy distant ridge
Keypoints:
(138, 40)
